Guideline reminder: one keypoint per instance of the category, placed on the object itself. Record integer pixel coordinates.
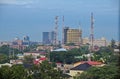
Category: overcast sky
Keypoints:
(32, 17)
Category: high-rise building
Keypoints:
(52, 36)
(26, 38)
(48, 37)
(72, 36)
(65, 34)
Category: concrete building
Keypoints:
(48, 37)
(72, 36)
(6, 64)
(96, 42)
(79, 69)
(82, 66)
(18, 44)
(47, 47)
(4, 43)
(26, 38)
(35, 54)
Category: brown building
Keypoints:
(18, 44)
(72, 36)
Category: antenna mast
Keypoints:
(56, 31)
(63, 31)
(91, 36)
(92, 32)
(80, 41)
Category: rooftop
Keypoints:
(83, 66)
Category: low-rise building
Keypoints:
(46, 47)
(4, 43)
(20, 56)
(39, 60)
(79, 69)
(18, 61)
(35, 54)
(96, 42)
(70, 47)
(6, 64)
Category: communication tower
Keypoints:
(56, 31)
(91, 37)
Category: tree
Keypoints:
(69, 56)
(28, 59)
(14, 72)
(105, 72)
(46, 71)
(30, 48)
(3, 58)
(6, 53)
(5, 72)
(4, 49)
(70, 44)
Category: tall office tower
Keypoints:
(48, 37)
(72, 36)
(65, 29)
(52, 36)
(26, 38)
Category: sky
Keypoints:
(32, 17)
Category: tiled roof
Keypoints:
(83, 66)
(92, 62)
(37, 61)
(43, 58)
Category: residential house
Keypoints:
(79, 69)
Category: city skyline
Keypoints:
(32, 17)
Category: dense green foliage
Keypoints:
(30, 48)
(14, 72)
(105, 72)
(110, 71)
(6, 53)
(69, 56)
(6, 49)
(3, 58)
(28, 59)
(41, 71)
(46, 71)
(105, 55)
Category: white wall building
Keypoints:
(96, 42)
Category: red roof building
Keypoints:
(93, 63)
(40, 60)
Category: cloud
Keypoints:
(16, 2)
